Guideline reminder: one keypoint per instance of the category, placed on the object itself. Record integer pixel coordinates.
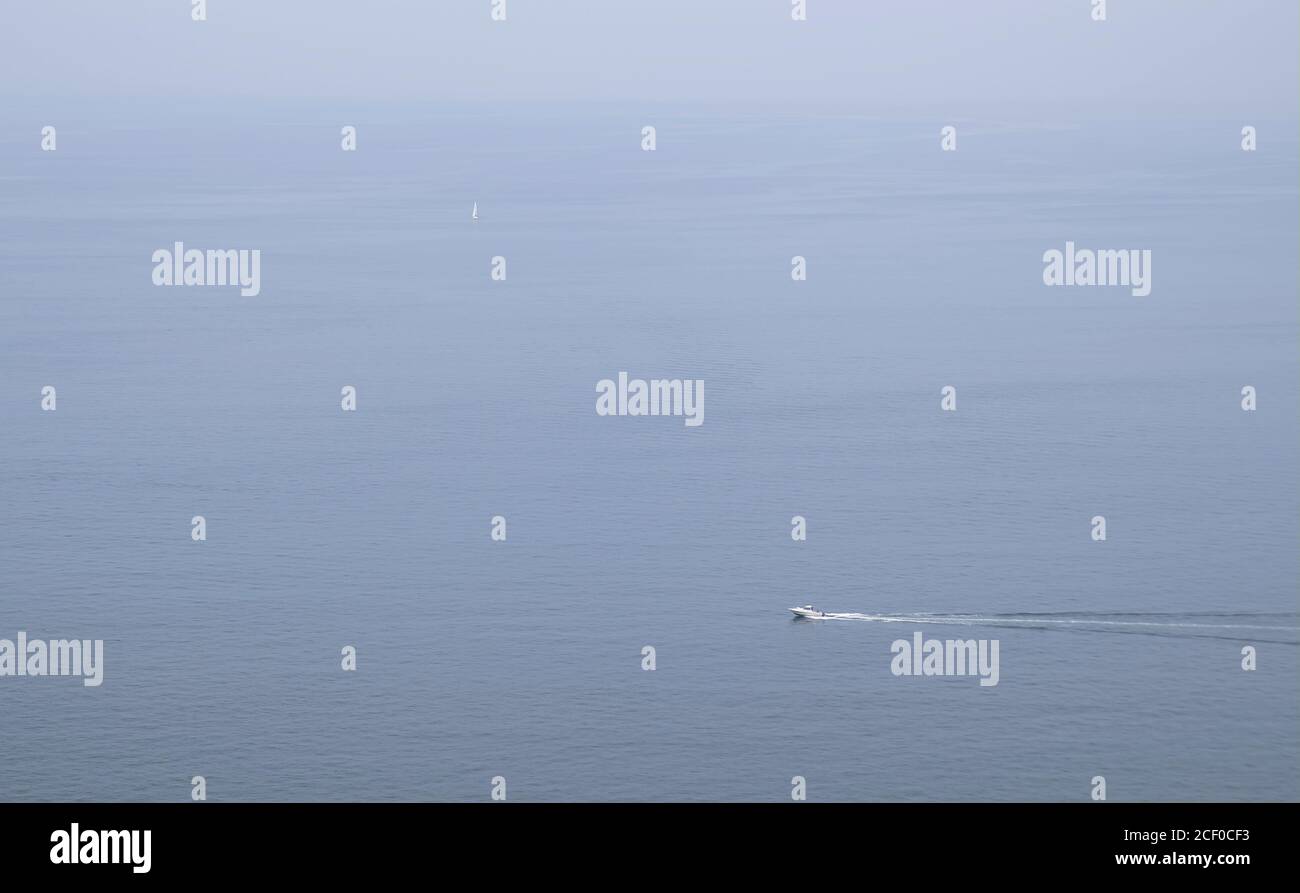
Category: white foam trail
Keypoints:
(961, 620)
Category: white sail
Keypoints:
(475, 217)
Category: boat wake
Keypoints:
(1280, 628)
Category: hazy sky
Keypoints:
(1228, 54)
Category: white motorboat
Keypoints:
(808, 612)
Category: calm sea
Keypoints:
(476, 398)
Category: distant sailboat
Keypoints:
(475, 217)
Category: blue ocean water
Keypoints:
(476, 398)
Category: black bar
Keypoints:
(369, 841)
